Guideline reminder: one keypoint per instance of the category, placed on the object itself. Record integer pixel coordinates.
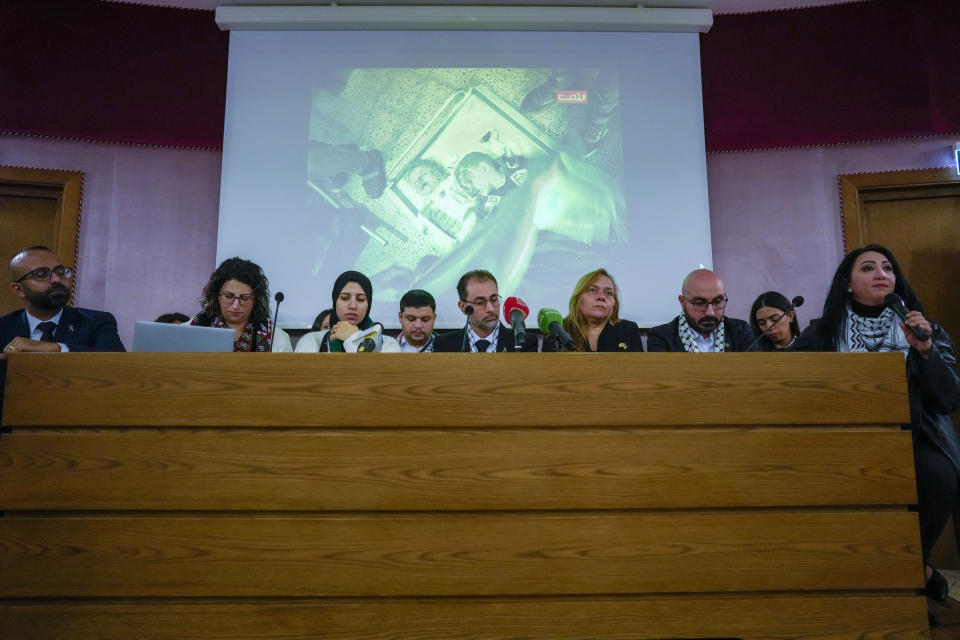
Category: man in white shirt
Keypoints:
(418, 312)
(702, 327)
(480, 302)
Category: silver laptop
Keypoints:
(164, 337)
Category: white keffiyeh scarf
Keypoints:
(689, 338)
(882, 333)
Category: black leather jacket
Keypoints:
(933, 387)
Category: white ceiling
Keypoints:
(719, 6)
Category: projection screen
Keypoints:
(414, 157)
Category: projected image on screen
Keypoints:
(423, 174)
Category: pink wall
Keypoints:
(148, 231)
(148, 225)
(149, 222)
(775, 215)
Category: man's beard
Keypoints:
(52, 299)
(706, 324)
(487, 325)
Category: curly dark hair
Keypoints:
(245, 271)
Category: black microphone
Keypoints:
(273, 334)
(796, 302)
(895, 302)
(465, 344)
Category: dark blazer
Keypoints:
(79, 329)
(933, 386)
(452, 341)
(621, 337)
(666, 337)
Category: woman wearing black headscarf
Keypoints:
(352, 296)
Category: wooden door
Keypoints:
(37, 206)
(916, 214)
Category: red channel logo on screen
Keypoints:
(571, 97)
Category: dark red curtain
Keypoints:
(112, 71)
(861, 71)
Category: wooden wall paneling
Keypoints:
(26, 213)
(459, 554)
(924, 234)
(440, 469)
(857, 188)
(161, 495)
(771, 617)
(915, 214)
(38, 206)
(292, 389)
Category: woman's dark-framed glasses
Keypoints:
(228, 298)
(42, 274)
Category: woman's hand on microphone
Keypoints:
(343, 330)
(916, 319)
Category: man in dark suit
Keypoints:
(46, 323)
(484, 332)
(702, 326)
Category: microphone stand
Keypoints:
(465, 344)
(276, 312)
(520, 333)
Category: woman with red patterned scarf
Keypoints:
(237, 297)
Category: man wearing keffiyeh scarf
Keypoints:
(701, 327)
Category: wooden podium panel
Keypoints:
(529, 390)
(463, 469)
(773, 617)
(458, 496)
(458, 554)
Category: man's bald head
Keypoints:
(40, 280)
(703, 300)
(23, 261)
(702, 280)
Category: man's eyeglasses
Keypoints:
(42, 274)
(482, 302)
(701, 305)
(244, 299)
